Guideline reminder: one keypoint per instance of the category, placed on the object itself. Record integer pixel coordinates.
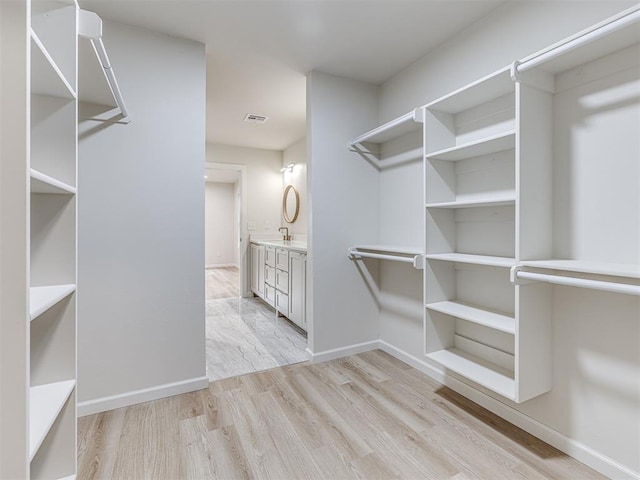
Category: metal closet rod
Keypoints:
(396, 258)
(599, 32)
(580, 282)
(98, 45)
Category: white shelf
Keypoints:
(489, 375)
(409, 122)
(484, 146)
(46, 77)
(481, 316)
(487, 88)
(70, 477)
(45, 404)
(485, 260)
(42, 183)
(479, 202)
(42, 299)
(580, 266)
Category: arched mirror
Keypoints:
(290, 204)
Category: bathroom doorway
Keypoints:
(225, 244)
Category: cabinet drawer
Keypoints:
(282, 303)
(270, 275)
(282, 281)
(270, 256)
(282, 259)
(270, 295)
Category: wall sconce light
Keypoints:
(288, 168)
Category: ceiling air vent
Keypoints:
(252, 118)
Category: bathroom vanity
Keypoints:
(278, 276)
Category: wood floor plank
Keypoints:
(368, 416)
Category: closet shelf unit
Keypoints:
(390, 144)
(386, 252)
(52, 220)
(490, 269)
(472, 313)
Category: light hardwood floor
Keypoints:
(368, 416)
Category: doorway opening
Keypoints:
(243, 333)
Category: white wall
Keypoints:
(264, 182)
(297, 153)
(345, 207)
(590, 402)
(220, 224)
(141, 230)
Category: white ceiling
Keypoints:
(259, 51)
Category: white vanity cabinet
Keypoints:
(278, 277)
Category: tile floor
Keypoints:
(244, 335)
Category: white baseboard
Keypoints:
(342, 352)
(571, 447)
(139, 396)
(221, 265)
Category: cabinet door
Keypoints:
(254, 268)
(270, 259)
(282, 303)
(270, 275)
(297, 288)
(282, 281)
(260, 269)
(282, 259)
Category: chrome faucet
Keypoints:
(286, 236)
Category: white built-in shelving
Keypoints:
(512, 208)
(588, 84)
(472, 317)
(38, 438)
(394, 143)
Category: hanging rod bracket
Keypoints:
(513, 276)
(89, 25)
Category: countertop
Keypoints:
(293, 245)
